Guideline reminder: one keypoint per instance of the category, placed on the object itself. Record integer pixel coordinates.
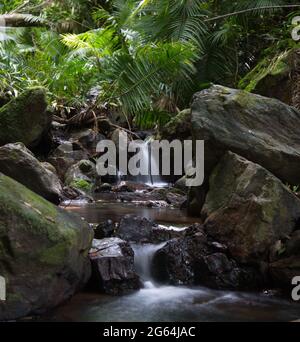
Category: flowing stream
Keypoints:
(156, 302)
(143, 257)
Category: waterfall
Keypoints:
(143, 257)
(149, 179)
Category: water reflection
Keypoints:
(101, 211)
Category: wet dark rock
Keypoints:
(113, 267)
(172, 196)
(87, 138)
(284, 270)
(128, 186)
(181, 184)
(175, 199)
(82, 176)
(155, 204)
(66, 155)
(17, 162)
(105, 229)
(71, 193)
(292, 245)
(105, 187)
(135, 229)
(195, 259)
(248, 209)
(59, 133)
(43, 254)
(162, 233)
(285, 260)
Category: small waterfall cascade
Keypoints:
(150, 180)
(143, 257)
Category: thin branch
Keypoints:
(21, 20)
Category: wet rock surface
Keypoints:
(113, 267)
(135, 229)
(105, 229)
(197, 259)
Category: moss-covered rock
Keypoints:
(43, 251)
(261, 129)
(82, 185)
(178, 128)
(82, 175)
(248, 208)
(25, 118)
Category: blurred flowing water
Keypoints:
(162, 303)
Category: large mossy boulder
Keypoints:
(248, 209)
(43, 251)
(25, 119)
(17, 162)
(263, 130)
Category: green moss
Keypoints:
(33, 214)
(81, 184)
(175, 125)
(272, 66)
(23, 118)
(55, 255)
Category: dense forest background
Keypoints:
(146, 58)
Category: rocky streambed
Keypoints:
(176, 253)
(160, 255)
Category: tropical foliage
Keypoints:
(146, 57)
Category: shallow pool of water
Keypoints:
(176, 304)
(109, 209)
(165, 303)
